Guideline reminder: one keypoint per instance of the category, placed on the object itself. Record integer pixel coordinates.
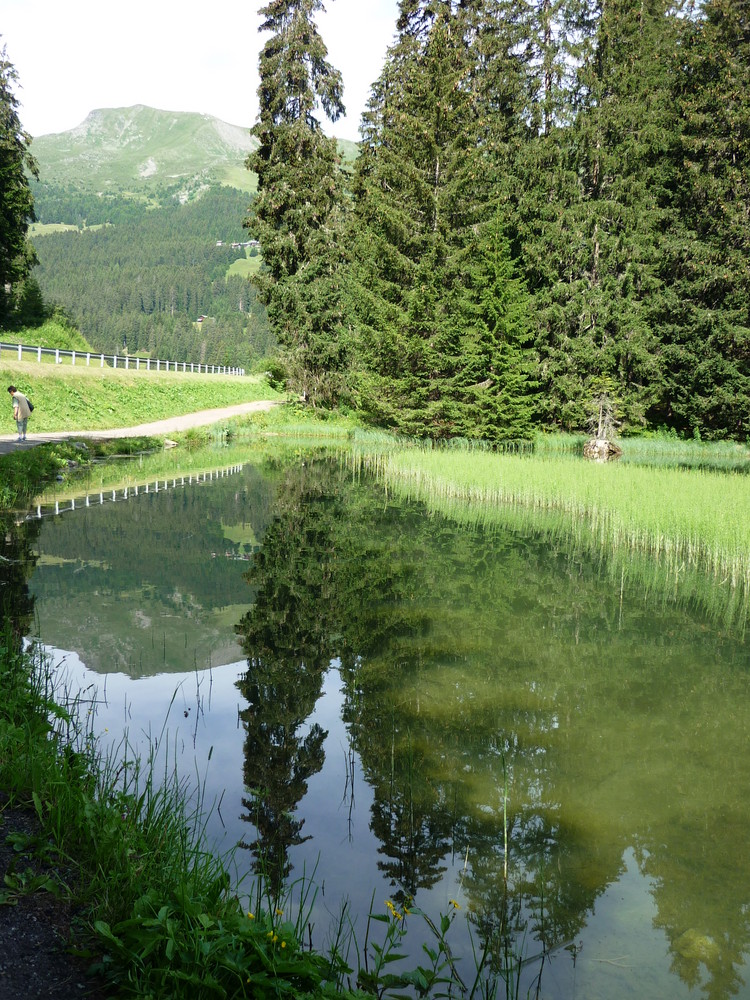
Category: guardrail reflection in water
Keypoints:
(122, 360)
(98, 498)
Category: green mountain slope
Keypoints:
(139, 149)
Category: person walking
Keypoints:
(21, 411)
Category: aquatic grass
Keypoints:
(292, 419)
(669, 450)
(684, 519)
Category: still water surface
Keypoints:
(410, 708)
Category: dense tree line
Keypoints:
(550, 204)
(141, 283)
(71, 206)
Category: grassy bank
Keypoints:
(159, 912)
(81, 398)
(25, 474)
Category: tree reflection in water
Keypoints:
(286, 637)
(498, 696)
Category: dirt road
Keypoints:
(171, 425)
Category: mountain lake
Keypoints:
(384, 707)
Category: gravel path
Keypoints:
(36, 962)
(172, 425)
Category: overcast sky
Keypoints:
(73, 56)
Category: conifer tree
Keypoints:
(428, 175)
(610, 181)
(557, 36)
(499, 364)
(16, 201)
(402, 223)
(704, 316)
(296, 213)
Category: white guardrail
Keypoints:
(119, 361)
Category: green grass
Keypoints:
(55, 333)
(245, 266)
(23, 474)
(70, 397)
(238, 176)
(45, 228)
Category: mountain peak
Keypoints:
(138, 145)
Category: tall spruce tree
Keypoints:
(705, 315)
(499, 365)
(16, 202)
(595, 255)
(557, 36)
(296, 214)
(426, 178)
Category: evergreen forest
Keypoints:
(549, 210)
(136, 277)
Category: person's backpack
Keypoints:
(31, 405)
